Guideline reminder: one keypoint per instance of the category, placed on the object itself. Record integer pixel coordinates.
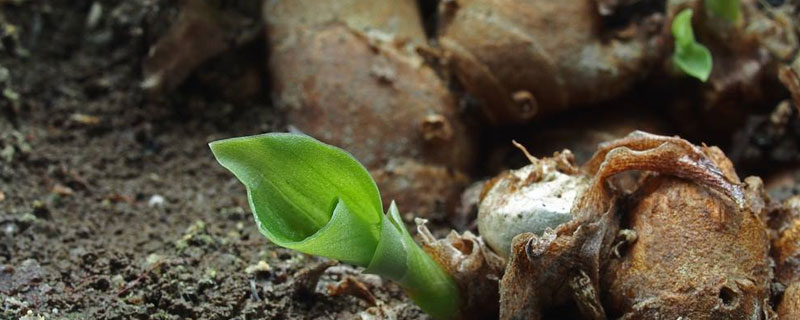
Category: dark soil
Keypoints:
(111, 204)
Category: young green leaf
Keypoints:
(301, 191)
(691, 57)
(726, 9)
(317, 199)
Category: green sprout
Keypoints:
(318, 199)
(726, 9)
(690, 56)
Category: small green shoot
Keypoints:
(318, 199)
(726, 9)
(690, 56)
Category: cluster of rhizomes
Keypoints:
(683, 237)
(365, 76)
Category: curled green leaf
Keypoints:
(318, 199)
(690, 56)
(303, 193)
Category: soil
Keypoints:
(111, 204)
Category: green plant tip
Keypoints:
(318, 199)
(690, 56)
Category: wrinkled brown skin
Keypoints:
(700, 254)
(522, 58)
(786, 251)
(785, 222)
(346, 73)
(690, 231)
(696, 256)
(474, 267)
(789, 307)
(556, 269)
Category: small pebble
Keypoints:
(62, 190)
(156, 201)
(94, 16)
(153, 260)
(85, 119)
(261, 267)
(10, 229)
